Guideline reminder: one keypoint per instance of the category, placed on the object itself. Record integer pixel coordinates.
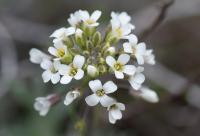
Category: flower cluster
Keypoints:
(82, 53)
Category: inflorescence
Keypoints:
(82, 53)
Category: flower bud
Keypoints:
(92, 71)
(147, 94)
(68, 41)
(96, 39)
(111, 51)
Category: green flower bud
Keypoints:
(102, 69)
(96, 38)
(68, 41)
(67, 59)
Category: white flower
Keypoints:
(121, 26)
(71, 96)
(138, 50)
(119, 66)
(59, 50)
(149, 57)
(37, 56)
(137, 79)
(51, 71)
(73, 70)
(111, 50)
(74, 19)
(42, 105)
(78, 32)
(148, 95)
(120, 31)
(123, 18)
(90, 21)
(62, 33)
(91, 70)
(115, 111)
(100, 93)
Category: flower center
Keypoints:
(90, 21)
(60, 52)
(100, 92)
(52, 69)
(73, 71)
(114, 106)
(118, 66)
(119, 32)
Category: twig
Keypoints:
(148, 19)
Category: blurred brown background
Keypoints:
(173, 32)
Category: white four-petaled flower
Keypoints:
(121, 26)
(71, 96)
(138, 50)
(62, 33)
(149, 57)
(51, 71)
(119, 66)
(90, 21)
(59, 50)
(42, 105)
(137, 79)
(37, 56)
(73, 70)
(100, 93)
(114, 111)
(74, 19)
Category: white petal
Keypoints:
(141, 48)
(96, 15)
(132, 38)
(121, 106)
(115, 24)
(58, 33)
(55, 78)
(139, 59)
(106, 100)
(69, 31)
(46, 76)
(46, 64)
(56, 64)
(119, 75)
(129, 69)
(36, 56)
(78, 61)
(79, 74)
(110, 61)
(109, 87)
(52, 51)
(139, 78)
(139, 69)
(44, 112)
(65, 79)
(64, 69)
(95, 85)
(123, 58)
(149, 95)
(116, 113)
(71, 96)
(111, 119)
(127, 47)
(135, 85)
(59, 44)
(124, 18)
(92, 100)
(84, 15)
